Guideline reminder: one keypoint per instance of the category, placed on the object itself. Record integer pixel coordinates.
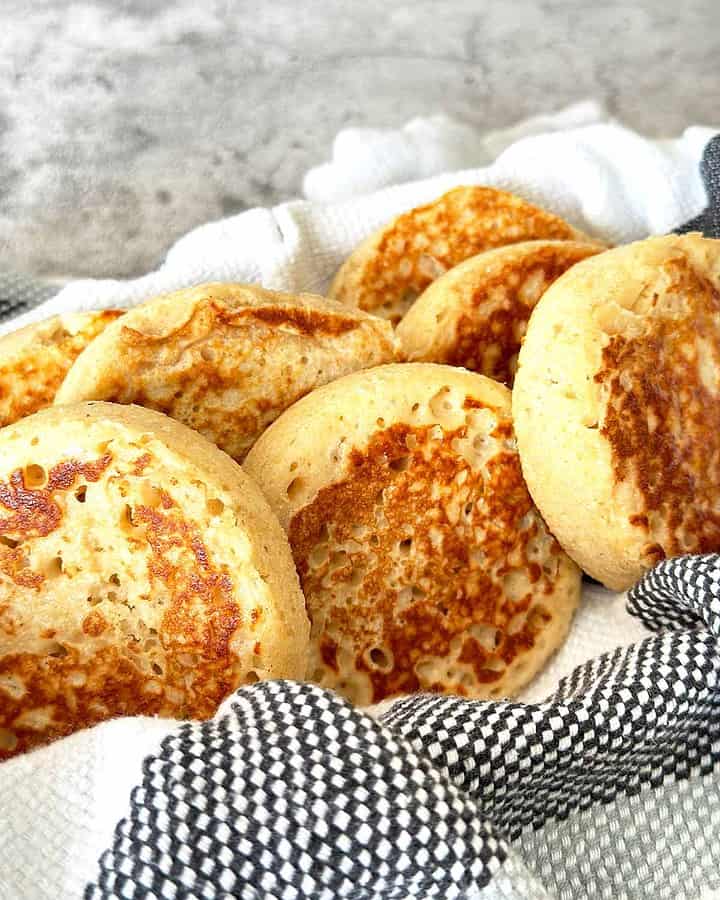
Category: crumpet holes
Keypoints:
(296, 488)
(401, 464)
(357, 576)
(441, 404)
(215, 506)
(34, 476)
(54, 567)
(318, 556)
(537, 618)
(404, 547)
(487, 636)
(338, 560)
(380, 658)
(152, 496)
(515, 584)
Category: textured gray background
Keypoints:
(124, 124)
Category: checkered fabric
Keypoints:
(708, 222)
(19, 293)
(293, 794)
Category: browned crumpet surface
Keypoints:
(476, 314)
(35, 360)
(448, 594)
(619, 377)
(424, 564)
(227, 359)
(129, 581)
(660, 381)
(390, 269)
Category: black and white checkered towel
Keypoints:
(608, 788)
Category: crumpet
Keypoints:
(393, 266)
(35, 359)
(617, 406)
(226, 359)
(141, 573)
(476, 314)
(424, 564)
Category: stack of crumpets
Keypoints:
(390, 490)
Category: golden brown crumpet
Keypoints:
(35, 359)
(617, 406)
(392, 267)
(424, 564)
(227, 359)
(476, 314)
(141, 572)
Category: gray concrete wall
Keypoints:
(124, 124)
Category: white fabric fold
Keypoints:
(601, 176)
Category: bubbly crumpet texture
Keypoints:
(476, 314)
(393, 266)
(424, 564)
(141, 572)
